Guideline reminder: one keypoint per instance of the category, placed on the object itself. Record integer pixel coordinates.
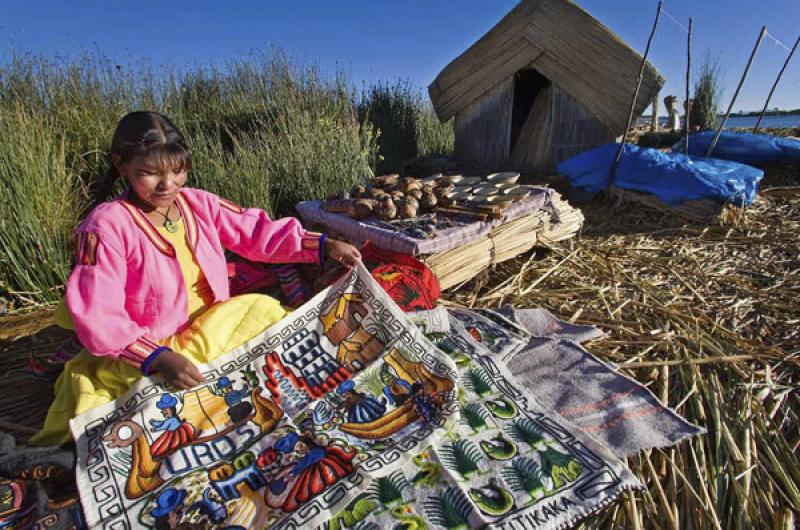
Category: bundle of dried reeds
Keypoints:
(517, 237)
(709, 318)
(704, 210)
(462, 263)
(570, 222)
(505, 242)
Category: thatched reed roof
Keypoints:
(565, 44)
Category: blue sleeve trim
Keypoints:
(323, 238)
(152, 357)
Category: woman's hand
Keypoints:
(344, 253)
(177, 370)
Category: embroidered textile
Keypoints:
(341, 406)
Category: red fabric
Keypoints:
(248, 277)
(408, 281)
(313, 480)
(172, 440)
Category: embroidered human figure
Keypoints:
(169, 510)
(396, 389)
(152, 261)
(238, 409)
(426, 406)
(360, 407)
(177, 432)
(310, 469)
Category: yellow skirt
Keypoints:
(88, 380)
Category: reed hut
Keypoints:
(547, 82)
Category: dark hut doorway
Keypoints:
(528, 86)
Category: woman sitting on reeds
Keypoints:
(149, 291)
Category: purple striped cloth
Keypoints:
(444, 240)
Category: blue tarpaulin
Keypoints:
(742, 147)
(673, 178)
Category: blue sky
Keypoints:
(382, 40)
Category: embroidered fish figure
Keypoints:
(499, 448)
(492, 499)
(501, 408)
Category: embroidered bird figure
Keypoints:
(215, 511)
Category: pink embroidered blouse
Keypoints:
(127, 291)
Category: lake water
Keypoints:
(769, 122)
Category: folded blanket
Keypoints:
(566, 378)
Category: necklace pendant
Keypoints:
(170, 226)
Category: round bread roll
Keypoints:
(406, 210)
(428, 201)
(387, 210)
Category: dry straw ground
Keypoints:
(707, 316)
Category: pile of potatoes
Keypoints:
(391, 197)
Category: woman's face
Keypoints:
(153, 186)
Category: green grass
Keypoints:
(263, 131)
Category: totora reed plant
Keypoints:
(263, 131)
(707, 95)
(405, 123)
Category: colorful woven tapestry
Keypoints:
(341, 414)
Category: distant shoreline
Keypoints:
(753, 114)
(792, 112)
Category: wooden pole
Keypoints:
(636, 92)
(688, 82)
(775, 85)
(654, 117)
(738, 89)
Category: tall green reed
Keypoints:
(406, 124)
(263, 131)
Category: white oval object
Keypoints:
(125, 433)
(459, 180)
(459, 196)
(485, 190)
(506, 177)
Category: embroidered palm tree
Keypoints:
(462, 456)
(561, 467)
(371, 378)
(407, 295)
(388, 490)
(525, 430)
(250, 377)
(474, 416)
(478, 381)
(526, 476)
(450, 509)
(447, 345)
